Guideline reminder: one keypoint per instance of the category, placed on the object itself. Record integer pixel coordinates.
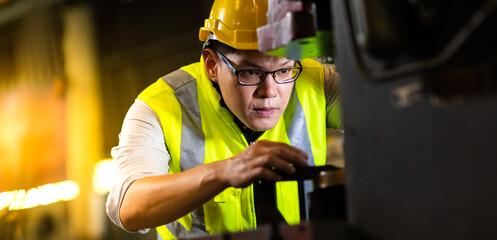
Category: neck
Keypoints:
(249, 134)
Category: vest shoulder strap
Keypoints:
(178, 78)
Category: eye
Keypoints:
(252, 72)
(284, 72)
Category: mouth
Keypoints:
(264, 112)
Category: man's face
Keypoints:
(259, 107)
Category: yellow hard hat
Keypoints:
(235, 22)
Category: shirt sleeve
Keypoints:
(332, 94)
(141, 153)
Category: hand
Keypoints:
(261, 160)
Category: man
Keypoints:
(193, 143)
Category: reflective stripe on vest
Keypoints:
(198, 130)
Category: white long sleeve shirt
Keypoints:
(141, 153)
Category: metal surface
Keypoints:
(392, 39)
(286, 21)
(420, 170)
(327, 179)
(297, 29)
(307, 173)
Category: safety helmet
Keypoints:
(235, 22)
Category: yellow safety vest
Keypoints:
(197, 130)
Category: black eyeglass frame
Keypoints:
(263, 77)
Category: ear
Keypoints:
(210, 63)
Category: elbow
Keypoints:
(131, 210)
(119, 214)
(130, 218)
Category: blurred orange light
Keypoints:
(102, 176)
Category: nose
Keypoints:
(268, 88)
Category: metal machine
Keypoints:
(419, 110)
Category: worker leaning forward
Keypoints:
(193, 142)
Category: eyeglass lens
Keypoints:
(256, 76)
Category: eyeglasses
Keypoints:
(256, 77)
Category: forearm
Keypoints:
(154, 201)
(157, 200)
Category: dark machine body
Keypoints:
(420, 114)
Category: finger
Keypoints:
(291, 154)
(266, 174)
(274, 163)
(287, 152)
(241, 174)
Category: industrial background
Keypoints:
(418, 93)
(69, 70)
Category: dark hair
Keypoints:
(220, 47)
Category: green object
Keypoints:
(317, 46)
